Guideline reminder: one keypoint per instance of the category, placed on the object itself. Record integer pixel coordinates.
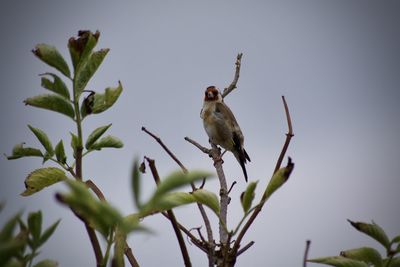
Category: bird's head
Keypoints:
(212, 94)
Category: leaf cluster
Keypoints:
(21, 247)
(367, 256)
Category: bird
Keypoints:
(221, 126)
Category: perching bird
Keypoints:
(222, 127)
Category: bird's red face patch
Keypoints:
(211, 93)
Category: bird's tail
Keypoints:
(242, 158)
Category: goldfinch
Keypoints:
(222, 127)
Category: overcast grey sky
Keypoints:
(337, 63)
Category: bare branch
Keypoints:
(129, 255)
(95, 189)
(172, 218)
(245, 248)
(289, 136)
(200, 206)
(308, 243)
(202, 148)
(257, 210)
(158, 140)
(233, 84)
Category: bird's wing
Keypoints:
(226, 116)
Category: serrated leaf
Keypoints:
(278, 179)
(339, 261)
(108, 141)
(96, 134)
(52, 102)
(60, 152)
(248, 196)
(208, 199)
(364, 254)
(373, 230)
(43, 139)
(48, 232)
(102, 102)
(35, 226)
(46, 263)
(178, 179)
(50, 55)
(57, 85)
(41, 178)
(20, 151)
(86, 69)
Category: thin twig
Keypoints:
(95, 189)
(202, 148)
(308, 243)
(245, 248)
(200, 206)
(129, 255)
(289, 136)
(233, 84)
(172, 218)
(158, 140)
(257, 210)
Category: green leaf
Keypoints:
(396, 240)
(102, 102)
(108, 141)
(80, 48)
(43, 139)
(20, 151)
(247, 196)
(74, 143)
(135, 183)
(119, 248)
(364, 254)
(60, 153)
(96, 134)
(373, 230)
(394, 262)
(100, 214)
(339, 261)
(41, 178)
(50, 55)
(46, 263)
(52, 102)
(87, 67)
(48, 232)
(207, 198)
(178, 179)
(35, 226)
(8, 228)
(278, 179)
(57, 85)
(9, 250)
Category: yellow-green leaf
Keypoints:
(20, 151)
(96, 134)
(50, 55)
(108, 141)
(41, 178)
(247, 196)
(43, 139)
(365, 254)
(373, 230)
(52, 102)
(339, 261)
(56, 86)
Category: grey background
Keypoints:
(337, 63)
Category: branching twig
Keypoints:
(233, 84)
(257, 210)
(172, 217)
(200, 206)
(308, 243)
